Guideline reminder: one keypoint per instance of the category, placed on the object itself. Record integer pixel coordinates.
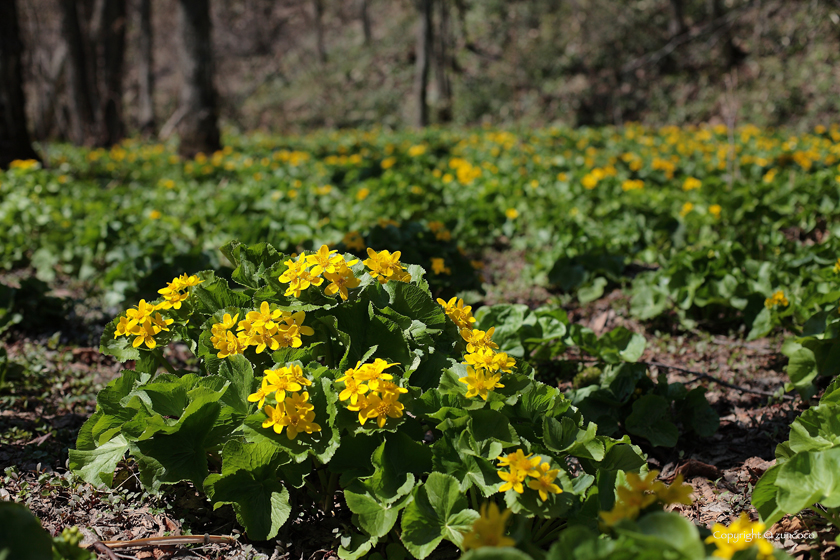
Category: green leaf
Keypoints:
(764, 497)
(249, 482)
(666, 530)
(762, 325)
(809, 478)
(495, 553)
(698, 415)
(96, 466)
(375, 517)
(438, 511)
(593, 291)
(238, 370)
(650, 419)
(620, 344)
(395, 463)
(22, 537)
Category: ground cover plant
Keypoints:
(360, 373)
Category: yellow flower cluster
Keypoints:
(632, 185)
(439, 266)
(460, 314)
(686, 209)
(740, 535)
(489, 529)
(691, 183)
(264, 329)
(385, 266)
(520, 467)
(465, 172)
(177, 291)
(371, 392)
(777, 298)
(24, 164)
(837, 267)
(294, 413)
(293, 410)
(440, 231)
(306, 271)
(145, 321)
(484, 365)
(644, 492)
(353, 240)
(714, 210)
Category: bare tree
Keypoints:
(318, 8)
(145, 69)
(112, 42)
(442, 64)
(365, 17)
(15, 142)
(677, 24)
(199, 127)
(82, 116)
(424, 51)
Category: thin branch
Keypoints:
(101, 547)
(162, 541)
(719, 23)
(701, 375)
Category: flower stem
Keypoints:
(158, 355)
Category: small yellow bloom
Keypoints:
(460, 314)
(353, 240)
(388, 163)
(544, 483)
(155, 215)
(691, 183)
(714, 210)
(686, 208)
(778, 298)
(480, 382)
(340, 282)
(385, 266)
(740, 535)
(489, 529)
(512, 213)
(362, 193)
(439, 267)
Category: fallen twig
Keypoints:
(164, 541)
(701, 375)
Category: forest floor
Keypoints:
(50, 390)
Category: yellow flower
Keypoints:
(714, 210)
(686, 208)
(381, 408)
(631, 501)
(173, 292)
(480, 382)
(385, 266)
(479, 339)
(589, 181)
(691, 183)
(632, 185)
(777, 298)
(324, 260)
(837, 267)
(353, 240)
(417, 150)
(439, 267)
(362, 193)
(544, 483)
(340, 281)
(461, 315)
(299, 416)
(521, 466)
(676, 493)
(512, 213)
(155, 214)
(489, 529)
(298, 277)
(388, 163)
(740, 535)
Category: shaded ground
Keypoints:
(50, 390)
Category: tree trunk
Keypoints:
(112, 42)
(730, 52)
(145, 70)
(83, 121)
(444, 86)
(677, 25)
(15, 142)
(318, 6)
(363, 14)
(424, 48)
(199, 128)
